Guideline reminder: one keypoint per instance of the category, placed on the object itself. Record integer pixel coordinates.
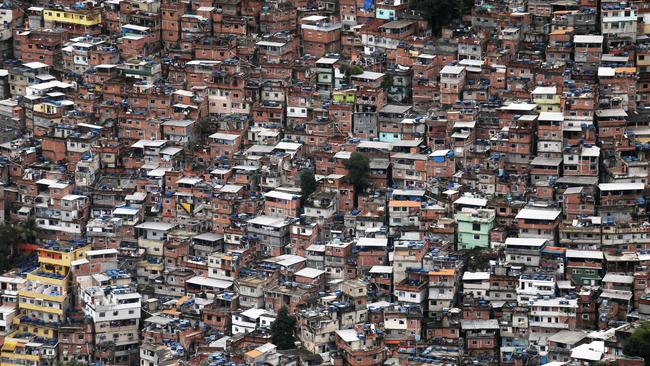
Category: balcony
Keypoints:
(40, 308)
(15, 358)
(35, 322)
(549, 325)
(553, 313)
(63, 262)
(48, 278)
(89, 19)
(529, 252)
(442, 284)
(43, 291)
(560, 350)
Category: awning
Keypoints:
(28, 247)
(9, 346)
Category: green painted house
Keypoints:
(474, 227)
(584, 267)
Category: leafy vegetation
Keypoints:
(307, 184)
(387, 83)
(13, 235)
(639, 343)
(71, 363)
(358, 167)
(441, 13)
(205, 127)
(478, 259)
(349, 70)
(282, 330)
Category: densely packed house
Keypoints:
(176, 175)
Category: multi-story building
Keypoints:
(588, 50)
(548, 315)
(272, 233)
(318, 331)
(546, 98)
(359, 349)
(80, 21)
(115, 313)
(44, 301)
(524, 251)
(474, 228)
(478, 196)
(618, 23)
(452, 81)
(443, 286)
(320, 35)
(538, 222)
(619, 202)
(584, 267)
(534, 285)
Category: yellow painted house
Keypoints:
(79, 17)
(42, 304)
(546, 98)
(19, 352)
(344, 96)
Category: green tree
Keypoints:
(71, 363)
(205, 127)
(28, 230)
(307, 184)
(358, 167)
(441, 13)
(349, 70)
(344, 69)
(13, 235)
(478, 259)
(9, 240)
(387, 83)
(638, 344)
(282, 330)
(356, 70)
